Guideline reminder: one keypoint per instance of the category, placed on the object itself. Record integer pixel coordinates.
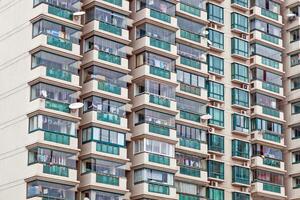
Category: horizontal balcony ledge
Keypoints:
(187, 11)
(123, 8)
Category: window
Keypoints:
(50, 190)
(72, 6)
(215, 64)
(215, 13)
(294, 36)
(51, 157)
(265, 125)
(265, 101)
(103, 136)
(155, 88)
(295, 108)
(240, 123)
(296, 182)
(101, 195)
(189, 188)
(265, 76)
(100, 166)
(240, 196)
(151, 175)
(295, 59)
(239, 47)
(192, 133)
(216, 143)
(240, 97)
(265, 27)
(158, 5)
(239, 21)
(217, 116)
(240, 148)
(243, 3)
(155, 117)
(239, 72)
(295, 83)
(268, 152)
(216, 90)
(267, 5)
(155, 60)
(267, 176)
(215, 169)
(190, 79)
(190, 52)
(240, 175)
(155, 32)
(215, 194)
(217, 38)
(190, 161)
(190, 26)
(188, 105)
(52, 124)
(295, 132)
(153, 146)
(296, 157)
(266, 52)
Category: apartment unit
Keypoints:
(149, 99)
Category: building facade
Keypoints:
(149, 99)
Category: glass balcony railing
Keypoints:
(190, 62)
(188, 197)
(107, 179)
(110, 28)
(270, 38)
(60, 12)
(189, 116)
(160, 44)
(159, 159)
(160, 72)
(270, 63)
(190, 36)
(241, 154)
(189, 171)
(109, 117)
(190, 9)
(243, 3)
(57, 138)
(161, 16)
(271, 137)
(271, 162)
(153, 128)
(193, 144)
(108, 87)
(190, 89)
(109, 57)
(158, 188)
(56, 170)
(59, 74)
(271, 187)
(59, 42)
(108, 148)
(269, 14)
(270, 111)
(115, 2)
(271, 87)
(159, 100)
(55, 105)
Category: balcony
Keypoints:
(153, 190)
(157, 46)
(240, 4)
(267, 137)
(112, 31)
(156, 72)
(154, 130)
(109, 182)
(190, 174)
(56, 43)
(182, 196)
(106, 119)
(268, 113)
(192, 146)
(106, 59)
(157, 17)
(191, 11)
(57, 75)
(107, 150)
(106, 89)
(121, 6)
(268, 190)
(195, 93)
(192, 65)
(268, 88)
(292, 24)
(267, 164)
(59, 173)
(156, 161)
(56, 12)
(266, 15)
(267, 39)
(271, 65)
(158, 103)
(191, 39)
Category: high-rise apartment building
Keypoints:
(149, 99)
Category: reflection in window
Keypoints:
(190, 52)
(265, 76)
(265, 100)
(158, 5)
(190, 26)
(101, 195)
(152, 175)
(190, 79)
(100, 166)
(267, 4)
(258, 49)
(190, 161)
(156, 88)
(267, 176)
(147, 58)
(269, 152)
(188, 132)
(265, 27)
(73, 5)
(156, 32)
(154, 117)
(154, 146)
(190, 105)
(264, 125)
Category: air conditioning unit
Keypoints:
(212, 25)
(245, 86)
(216, 104)
(212, 77)
(243, 112)
(245, 164)
(213, 183)
(244, 36)
(211, 130)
